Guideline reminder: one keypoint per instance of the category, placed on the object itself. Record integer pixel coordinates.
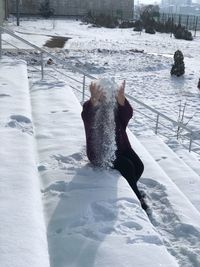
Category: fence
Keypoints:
(191, 22)
(114, 13)
(84, 79)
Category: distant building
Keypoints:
(123, 9)
(186, 7)
(3, 10)
(175, 2)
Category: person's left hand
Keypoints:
(120, 97)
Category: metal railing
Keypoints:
(42, 53)
(158, 114)
(178, 125)
(191, 22)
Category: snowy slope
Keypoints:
(93, 217)
(22, 230)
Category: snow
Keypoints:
(104, 122)
(109, 86)
(88, 216)
(23, 239)
(112, 52)
(187, 180)
(104, 133)
(92, 214)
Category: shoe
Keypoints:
(142, 193)
(144, 204)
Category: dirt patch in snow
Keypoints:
(56, 42)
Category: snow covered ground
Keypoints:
(92, 217)
(22, 229)
(101, 51)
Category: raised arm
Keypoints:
(96, 94)
(125, 110)
(90, 106)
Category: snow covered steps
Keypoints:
(179, 172)
(22, 229)
(92, 216)
(173, 215)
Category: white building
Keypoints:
(186, 7)
(175, 2)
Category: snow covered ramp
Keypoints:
(93, 218)
(22, 229)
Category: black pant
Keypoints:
(131, 167)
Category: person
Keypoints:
(106, 116)
(198, 85)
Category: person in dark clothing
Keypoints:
(105, 120)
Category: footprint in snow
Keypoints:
(180, 239)
(20, 118)
(161, 158)
(4, 84)
(4, 95)
(54, 111)
(64, 187)
(20, 122)
(58, 231)
(102, 216)
(132, 225)
(151, 239)
(59, 186)
(41, 168)
(72, 159)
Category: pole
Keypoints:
(42, 66)
(195, 30)
(6, 9)
(83, 95)
(194, 23)
(187, 21)
(172, 26)
(0, 43)
(179, 20)
(17, 11)
(191, 139)
(157, 121)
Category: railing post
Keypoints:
(17, 11)
(83, 93)
(157, 121)
(0, 43)
(191, 139)
(42, 66)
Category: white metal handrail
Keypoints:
(85, 74)
(158, 113)
(43, 51)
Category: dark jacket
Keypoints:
(122, 116)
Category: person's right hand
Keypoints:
(96, 93)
